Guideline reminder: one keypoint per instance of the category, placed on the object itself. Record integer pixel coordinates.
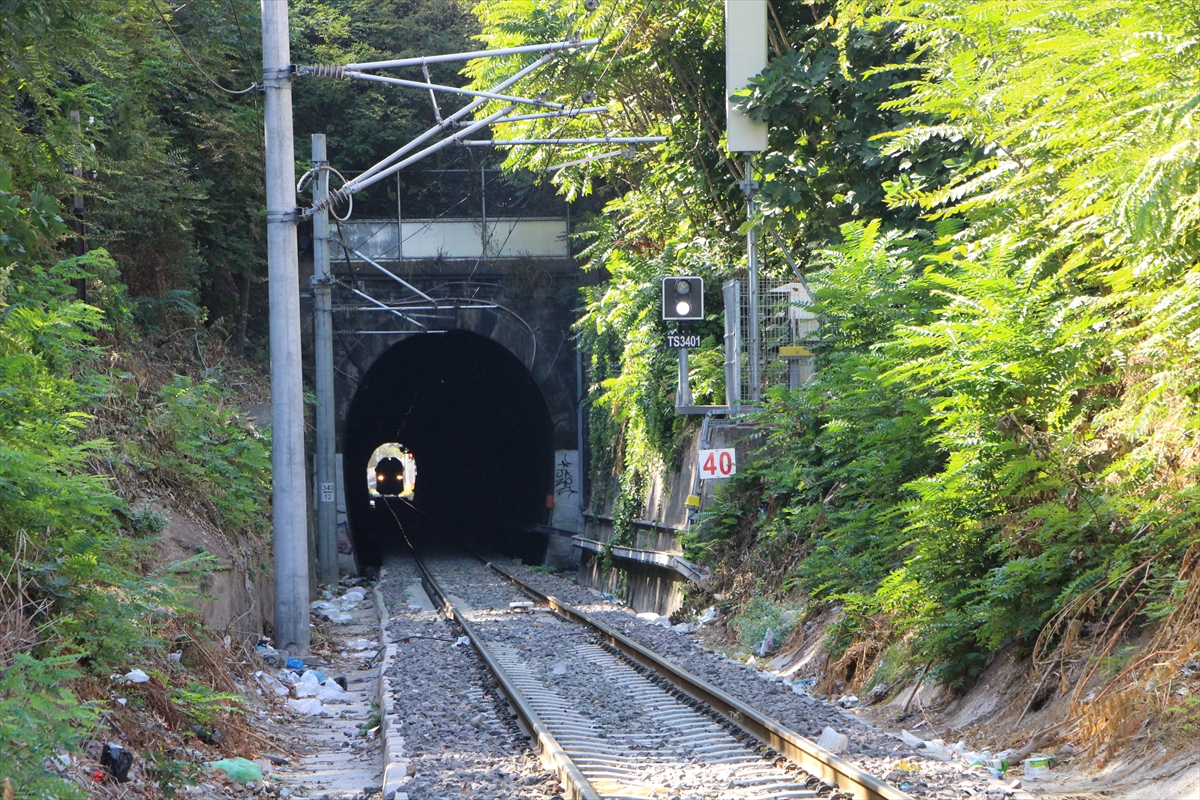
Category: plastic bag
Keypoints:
(330, 691)
(311, 706)
(136, 676)
(271, 684)
(118, 760)
(238, 769)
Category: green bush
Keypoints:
(40, 719)
(210, 448)
(761, 615)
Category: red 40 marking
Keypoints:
(717, 463)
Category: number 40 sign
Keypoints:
(717, 463)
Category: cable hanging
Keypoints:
(252, 87)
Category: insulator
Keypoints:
(328, 71)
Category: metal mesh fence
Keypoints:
(784, 321)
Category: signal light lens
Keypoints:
(683, 297)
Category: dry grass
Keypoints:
(19, 631)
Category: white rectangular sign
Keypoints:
(717, 463)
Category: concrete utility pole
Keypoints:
(289, 497)
(327, 555)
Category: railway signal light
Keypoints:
(683, 297)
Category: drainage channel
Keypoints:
(615, 726)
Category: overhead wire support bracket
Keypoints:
(628, 152)
(456, 116)
(457, 305)
(363, 181)
(381, 305)
(570, 44)
(598, 140)
(395, 277)
(570, 112)
(437, 112)
(437, 87)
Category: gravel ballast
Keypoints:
(871, 749)
(459, 736)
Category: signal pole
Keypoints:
(745, 57)
(754, 339)
(289, 498)
(327, 555)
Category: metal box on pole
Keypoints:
(745, 57)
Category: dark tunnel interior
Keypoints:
(479, 431)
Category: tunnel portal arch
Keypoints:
(475, 420)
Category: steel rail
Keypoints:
(803, 751)
(577, 786)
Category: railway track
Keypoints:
(617, 721)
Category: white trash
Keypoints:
(708, 616)
(937, 748)
(271, 684)
(833, 741)
(363, 644)
(311, 706)
(330, 690)
(136, 676)
(267, 682)
(847, 701)
(912, 740)
(308, 684)
(1037, 768)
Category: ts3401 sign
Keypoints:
(677, 340)
(717, 463)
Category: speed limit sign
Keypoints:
(717, 463)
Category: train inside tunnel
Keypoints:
(473, 427)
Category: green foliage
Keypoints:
(998, 207)
(171, 165)
(214, 451)
(75, 600)
(760, 616)
(145, 522)
(829, 99)
(204, 706)
(40, 718)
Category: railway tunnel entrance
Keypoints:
(480, 439)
